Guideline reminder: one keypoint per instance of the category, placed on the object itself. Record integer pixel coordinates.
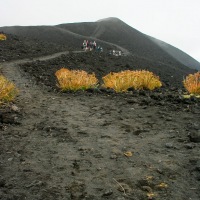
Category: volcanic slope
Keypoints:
(116, 31)
(181, 56)
(55, 35)
(46, 33)
(17, 47)
(110, 33)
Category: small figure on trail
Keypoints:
(91, 45)
(99, 49)
(87, 45)
(115, 52)
(94, 45)
(84, 45)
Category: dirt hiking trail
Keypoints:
(77, 146)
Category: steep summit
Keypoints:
(111, 19)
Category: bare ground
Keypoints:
(73, 145)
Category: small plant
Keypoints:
(2, 36)
(120, 82)
(137, 80)
(192, 83)
(146, 80)
(8, 91)
(75, 80)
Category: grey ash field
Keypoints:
(63, 146)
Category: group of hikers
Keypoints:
(89, 46)
(92, 45)
(115, 53)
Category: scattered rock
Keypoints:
(147, 188)
(2, 182)
(189, 146)
(113, 157)
(169, 145)
(35, 183)
(120, 198)
(195, 137)
(10, 159)
(108, 192)
(168, 119)
(132, 101)
(15, 108)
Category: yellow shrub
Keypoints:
(137, 80)
(120, 82)
(75, 79)
(145, 80)
(192, 83)
(2, 36)
(8, 90)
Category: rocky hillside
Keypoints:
(110, 33)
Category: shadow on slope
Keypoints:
(179, 55)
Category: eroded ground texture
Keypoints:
(96, 144)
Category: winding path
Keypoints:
(72, 146)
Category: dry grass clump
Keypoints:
(2, 36)
(192, 83)
(8, 91)
(120, 82)
(138, 80)
(75, 80)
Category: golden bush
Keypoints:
(3, 36)
(75, 80)
(192, 83)
(120, 81)
(138, 80)
(8, 91)
(146, 80)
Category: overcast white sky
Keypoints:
(176, 22)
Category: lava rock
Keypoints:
(195, 137)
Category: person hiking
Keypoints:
(87, 45)
(91, 46)
(84, 45)
(94, 45)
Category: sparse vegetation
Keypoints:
(137, 80)
(75, 80)
(97, 144)
(192, 83)
(2, 36)
(8, 91)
